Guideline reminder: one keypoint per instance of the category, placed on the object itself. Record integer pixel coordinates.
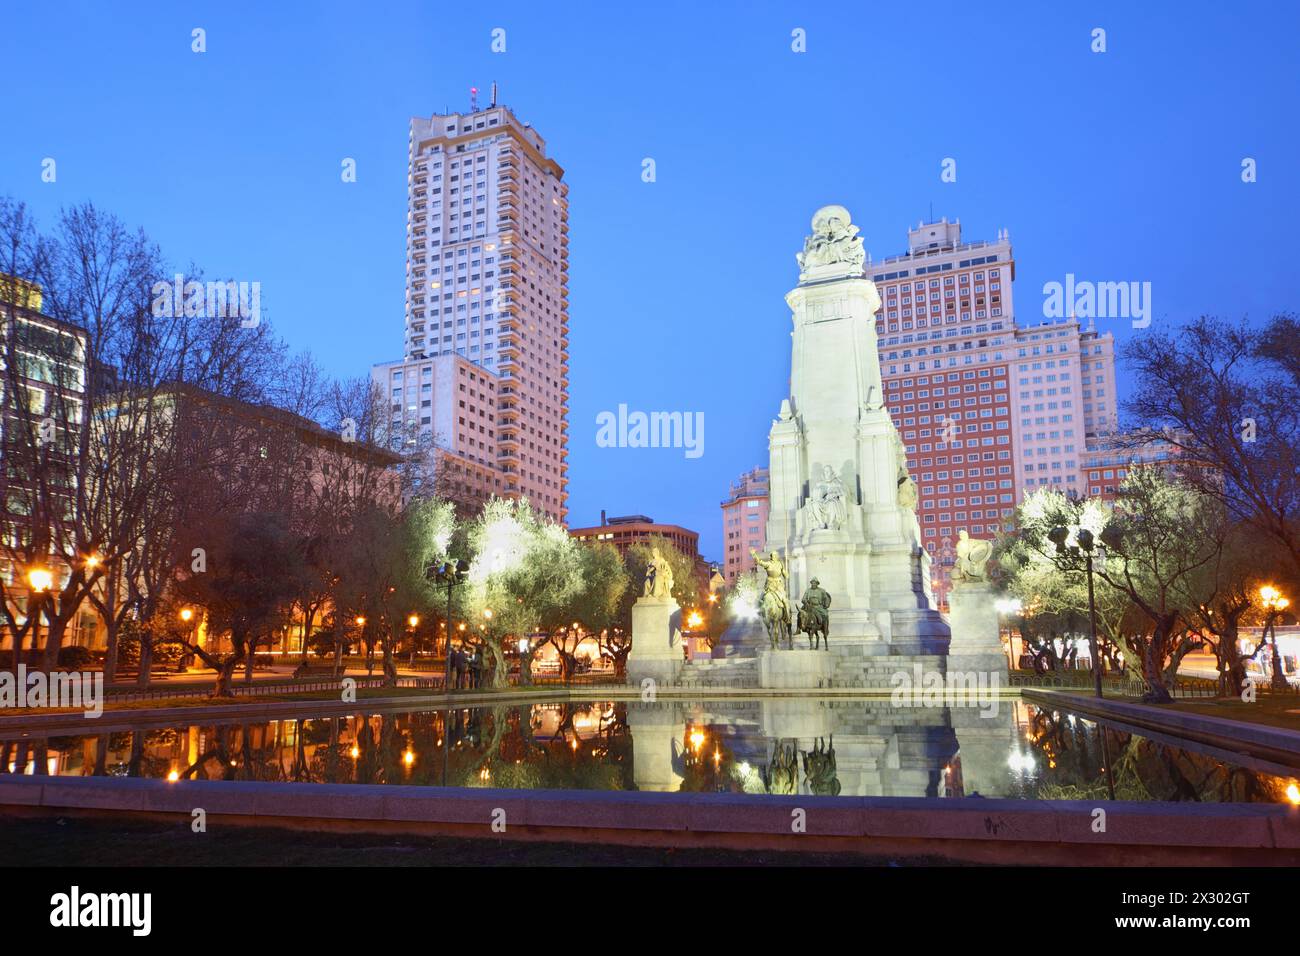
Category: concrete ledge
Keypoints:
(971, 829)
(1259, 740)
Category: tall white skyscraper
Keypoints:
(487, 264)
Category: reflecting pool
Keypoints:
(830, 747)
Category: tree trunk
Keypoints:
(227, 668)
(18, 650)
(146, 660)
(390, 665)
(1157, 691)
(53, 641)
(110, 649)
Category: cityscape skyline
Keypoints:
(692, 244)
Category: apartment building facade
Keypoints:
(987, 411)
(487, 282)
(744, 522)
(445, 407)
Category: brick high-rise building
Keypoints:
(987, 411)
(487, 280)
(744, 522)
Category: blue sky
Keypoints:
(1123, 165)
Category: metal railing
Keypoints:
(1129, 686)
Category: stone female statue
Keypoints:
(658, 576)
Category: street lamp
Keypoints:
(1274, 603)
(40, 580)
(1085, 543)
(412, 623)
(449, 575)
(186, 615)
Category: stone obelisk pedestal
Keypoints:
(976, 645)
(656, 641)
(658, 758)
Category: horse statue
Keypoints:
(819, 769)
(781, 775)
(773, 606)
(814, 616)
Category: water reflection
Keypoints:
(783, 746)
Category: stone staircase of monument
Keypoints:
(724, 672)
(878, 672)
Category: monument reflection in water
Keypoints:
(839, 747)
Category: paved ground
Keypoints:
(78, 842)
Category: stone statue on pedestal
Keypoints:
(827, 501)
(834, 240)
(774, 606)
(907, 493)
(972, 556)
(814, 616)
(658, 576)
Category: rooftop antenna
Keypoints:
(931, 210)
(494, 92)
(473, 99)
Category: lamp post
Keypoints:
(186, 616)
(1087, 544)
(40, 580)
(449, 575)
(412, 623)
(1274, 603)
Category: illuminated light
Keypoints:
(92, 561)
(1293, 794)
(187, 614)
(487, 613)
(361, 621)
(695, 619)
(408, 757)
(697, 739)
(40, 579)
(173, 776)
(413, 620)
(355, 752)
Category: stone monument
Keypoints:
(842, 502)
(657, 651)
(972, 611)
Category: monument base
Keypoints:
(976, 640)
(656, 651)
(801, 670)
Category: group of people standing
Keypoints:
(466, 669)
